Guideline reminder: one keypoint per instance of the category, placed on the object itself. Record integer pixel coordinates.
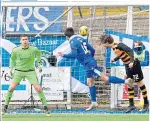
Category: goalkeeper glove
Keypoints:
(40, 65)
(40, 69)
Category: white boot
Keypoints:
(93, 105)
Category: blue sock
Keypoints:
(93, 93)
(114, 79)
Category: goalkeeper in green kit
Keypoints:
(22, 65)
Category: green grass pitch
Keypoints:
(75, 117)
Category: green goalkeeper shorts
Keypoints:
(30, 75)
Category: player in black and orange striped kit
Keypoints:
(132, 67)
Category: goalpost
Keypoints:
(50, 22)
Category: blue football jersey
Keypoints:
(84, 53)
(84, 50)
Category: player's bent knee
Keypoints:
(37, 87)
(90, 82)
(38, 90)
(140, 83)
(104, 78)
(130, 82)
(13, 86)
(11, 89)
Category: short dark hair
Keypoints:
(69, 32)
(106, 39)
(139, 42)
(23, 35)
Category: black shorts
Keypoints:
(135, 72)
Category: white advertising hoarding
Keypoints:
(54, 82)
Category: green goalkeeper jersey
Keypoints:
(24, 59)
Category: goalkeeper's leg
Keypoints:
(9, 96)
(42, 97)
(31, 76)
(17, 77)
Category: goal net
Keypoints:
(50, 23)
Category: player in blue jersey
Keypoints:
(84, 53)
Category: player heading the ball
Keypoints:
(84, 53)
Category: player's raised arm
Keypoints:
(69, 32)
(72, 54)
